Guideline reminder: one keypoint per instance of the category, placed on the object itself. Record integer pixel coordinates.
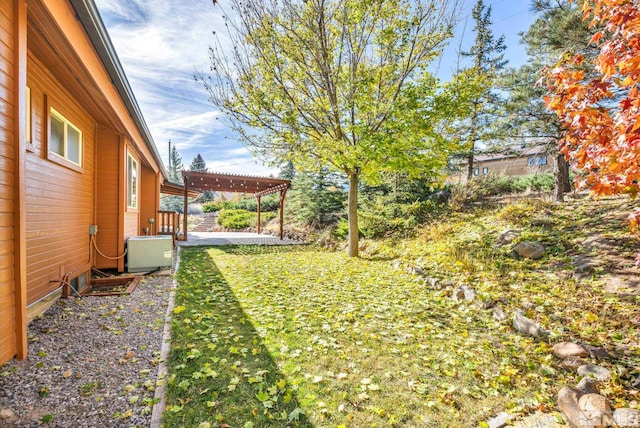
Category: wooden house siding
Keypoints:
(149, 201)
(60, 205)
(108, 199)
(60, 50)
(7, 195)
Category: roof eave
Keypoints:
(90, 19)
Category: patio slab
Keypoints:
(233, 238)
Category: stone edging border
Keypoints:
(161, 380)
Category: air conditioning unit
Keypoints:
(147, 253)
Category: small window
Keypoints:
(132, 182)
(476, 171)
(65, 139)
(485, 170)
(531, 161)
(542, 160)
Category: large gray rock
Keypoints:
(595, 410)
(626, 417)
(529, 250)
(563, 350)
(594, 371)
(526, 326)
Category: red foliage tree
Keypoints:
(599, 103)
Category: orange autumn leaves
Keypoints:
(598, 101)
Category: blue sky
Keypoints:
(161, 43)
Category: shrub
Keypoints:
(242, 219)
(236, 219)
(215, 206)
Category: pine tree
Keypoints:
(175, 166)
(558, 28)
(317, 199)
(488, 61)
(198, 164)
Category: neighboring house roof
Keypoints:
(90, 18)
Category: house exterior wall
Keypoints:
(514, 167)
(60, 202)
(55, 54)
(7, 183)
(149, 200)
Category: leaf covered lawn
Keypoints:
(300, 336)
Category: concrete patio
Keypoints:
(232, 238)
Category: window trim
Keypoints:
(58, 158)
(485, 170)
(476, 171)
(132, 190)
(27, 121)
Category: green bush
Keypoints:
(242, 219)
(236, 219)
(215, 206)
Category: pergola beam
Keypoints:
(219, 182)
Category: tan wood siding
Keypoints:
(7, 194)
(108, 196)
(62, 194)
(148, 199)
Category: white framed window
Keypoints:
(65, 139)
(132, 182)
(476, 171)
(485, 170)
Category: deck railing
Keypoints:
(169, 224)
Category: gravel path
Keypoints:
(92, 362)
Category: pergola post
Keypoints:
(259, 221)
(283, 193)
(185, 207)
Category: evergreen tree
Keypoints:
(317, 199)
(198, 164)
(287, 171)
(175, 166)
(487, 55)
(558, 29)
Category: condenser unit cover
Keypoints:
(145, 253)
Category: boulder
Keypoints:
(563, 350)
(625, 417)
(500, 420)
(594, 371)
(464, 293)
(529, 250)
(506, 237)
(588, 385)
(568, 404)
(595, 410)
(526, 326)
(498, 314)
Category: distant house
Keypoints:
(75, 153)
(516, 161)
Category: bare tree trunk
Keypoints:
(561, 175)
(353, 215)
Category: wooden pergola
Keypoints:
(219, 182)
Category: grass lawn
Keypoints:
(300, 336)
